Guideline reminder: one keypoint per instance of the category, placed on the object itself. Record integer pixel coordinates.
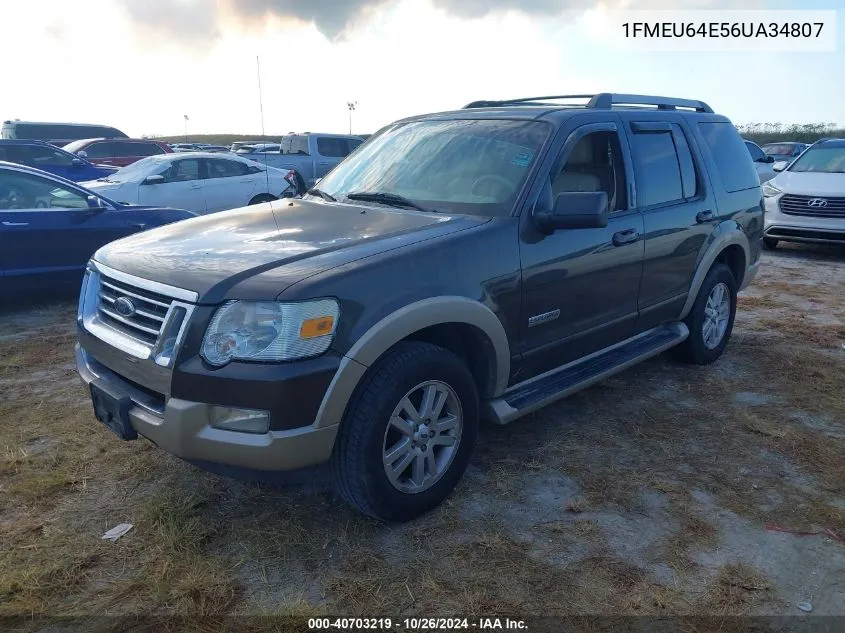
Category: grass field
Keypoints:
(667, 489)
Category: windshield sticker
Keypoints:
(522, 160)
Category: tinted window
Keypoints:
(333, 146)
(689, 175)
(225, 168)
(41, 156)
(755, 152)
(47, 131)
(25, 191)
(132, 150)
(294, 144)
(183, 170)
(595, 164)
(733, 162)
(460, 166)
(99, 150)
(656, 168)
(783, 150)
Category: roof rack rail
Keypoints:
(601, 101)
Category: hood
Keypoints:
(259, 251)
(810, 183)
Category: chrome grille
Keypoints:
(816, 206)
(151, 308)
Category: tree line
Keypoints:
(799, 132)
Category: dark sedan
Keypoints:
(50, 227)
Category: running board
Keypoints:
(535, 393)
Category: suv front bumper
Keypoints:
(183, 428)
(801, 228)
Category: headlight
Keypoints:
(270, 331)
(769, 190)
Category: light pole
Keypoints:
(352, 105)
(186, 128)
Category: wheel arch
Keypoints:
(729, 246)
(455, 323)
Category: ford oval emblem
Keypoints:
(124, 307)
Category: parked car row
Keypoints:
(50, 227)
(202, 182)
(311, 155)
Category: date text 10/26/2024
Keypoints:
(416, 624)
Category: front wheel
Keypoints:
(408, 433)
(711, 319)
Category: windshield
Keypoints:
(469, 166)
(784, 149)
(828, 159)
(139, 170)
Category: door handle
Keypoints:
(704, 216)
(196, 186)
(138, 225)
(628, 236)
(15, 223)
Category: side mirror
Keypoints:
(76, 162)
(769, 159)
(780, 165)
(575, 210)
(154, 180)
(95, 203)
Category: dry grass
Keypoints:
(735, 590)
(644, 448)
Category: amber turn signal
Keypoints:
(312, 328)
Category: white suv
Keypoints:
(805, 202)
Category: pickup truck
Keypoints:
(312, 156)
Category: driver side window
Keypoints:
(25, 191)
(595, 164)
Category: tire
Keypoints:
(697, 348)
(769, 243)
(261, 198)
(367, 436)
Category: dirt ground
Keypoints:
(667, 489)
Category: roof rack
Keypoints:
(601, 101)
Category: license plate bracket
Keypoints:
(112, 409)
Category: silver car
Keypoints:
(805, 201)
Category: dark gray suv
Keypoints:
(473, 264)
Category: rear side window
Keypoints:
(99, 150)
(733, 160)
(131, 150)
(656, 168)
(294, 144)
(336, 146)
(218, 168)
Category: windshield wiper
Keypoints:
(322, 194)
(392, 199)
(105, 180)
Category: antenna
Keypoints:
(261, 111)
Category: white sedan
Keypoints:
(201, 182)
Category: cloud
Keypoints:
(195, 22)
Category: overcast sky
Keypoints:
(140, 65)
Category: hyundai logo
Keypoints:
(124, 307)
(817, 203)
